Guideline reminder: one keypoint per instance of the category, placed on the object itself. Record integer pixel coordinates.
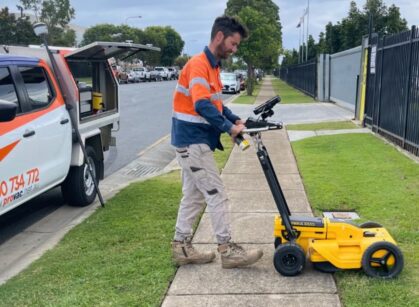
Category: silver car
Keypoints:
(230, 82)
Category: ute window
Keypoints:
(7, 88)
(37, 86)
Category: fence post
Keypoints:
(409, 76)
(380, 86)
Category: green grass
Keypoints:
(120, 256)
(363, 173)
(245, 99)
(289, 94)
(324, 126)
(87, 80)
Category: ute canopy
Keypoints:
(100, 51)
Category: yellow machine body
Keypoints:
(339, 242)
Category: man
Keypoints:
(199, 118)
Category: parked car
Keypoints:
(133, 77)
(143, 73)
(164, 72)
(155, 75)
(174, 72)
(230, 83)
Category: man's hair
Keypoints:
(229, 25)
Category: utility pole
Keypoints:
(308, 15)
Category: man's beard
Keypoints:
(222, 52)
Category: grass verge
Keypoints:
(119, 256)
(289, 94)
(245, 99)
(361, 172)
(324, 126)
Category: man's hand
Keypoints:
(240, 122)
(236, 129)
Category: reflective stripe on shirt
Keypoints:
(216, 96)
(182, 89)
(190, 118)
(199, 80)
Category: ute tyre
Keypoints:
(383, 260)
(289, 259)
(371, 225)
(78, 188)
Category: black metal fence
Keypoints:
(302, 76)
(392, 101)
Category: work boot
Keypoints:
(234, 256)
(184, 253)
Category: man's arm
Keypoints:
(207, 110)
(232, 117)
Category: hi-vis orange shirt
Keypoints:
(199, 116)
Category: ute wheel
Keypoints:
(78, 188)
(277, 242)
(289, 259)
(371, 225)
(383, 260)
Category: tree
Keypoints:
(349, 31)
(56, 14)
(16, 31)
(290, 58)
(333, 38)
(181, 61)
(169, 41)
(351, 27)
(394, 23)
(321, 46)
(264, 44)
(34, 5)
(312, 48)
(112, 33)
(173, 47)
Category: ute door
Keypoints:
(35, 147)
(49, 128)
(12, 147)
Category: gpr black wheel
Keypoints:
(370, 225)
(383, 260)
(289, 259)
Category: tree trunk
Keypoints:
(250, 79)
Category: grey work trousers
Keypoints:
(201, 182)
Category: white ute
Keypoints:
(38, 147)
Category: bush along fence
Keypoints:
(302, 76)
(392, 96)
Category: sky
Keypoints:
(193, 19)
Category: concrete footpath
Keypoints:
(252, 211)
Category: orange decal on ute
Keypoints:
(6, 150)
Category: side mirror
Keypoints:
(7, 111)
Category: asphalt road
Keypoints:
(146, 110)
